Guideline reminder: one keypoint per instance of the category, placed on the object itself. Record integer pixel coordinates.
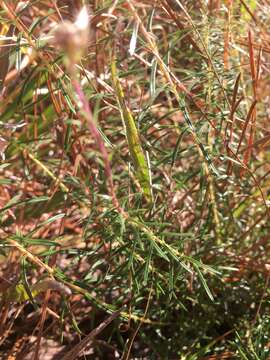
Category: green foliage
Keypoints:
(178, 239)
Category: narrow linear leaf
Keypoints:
(204, 283)
(153, 77)
(134, 144)
(133, 41)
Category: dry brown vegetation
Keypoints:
(134, 173)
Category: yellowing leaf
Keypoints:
(18, 293)
(132, 135)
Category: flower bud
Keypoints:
(73, 38)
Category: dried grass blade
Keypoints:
(76, 350)
(4, 56)
(254, 85)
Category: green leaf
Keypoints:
(204, 283)
(132, 135)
